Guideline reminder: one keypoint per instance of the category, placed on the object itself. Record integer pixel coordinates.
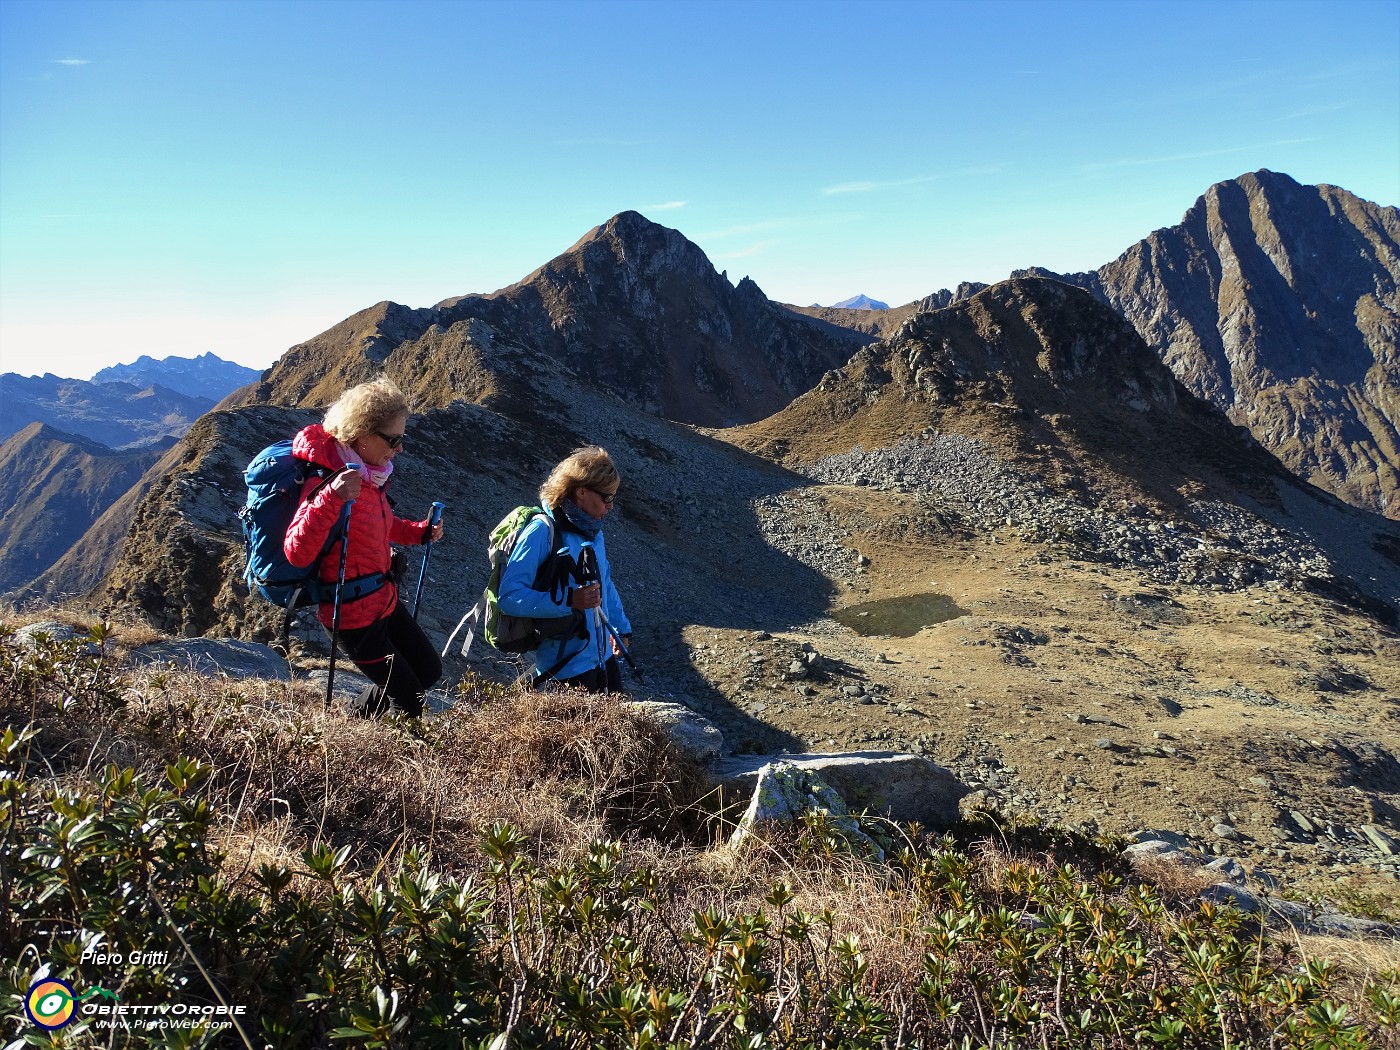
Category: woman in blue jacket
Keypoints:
(577, 496)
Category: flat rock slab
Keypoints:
(694, 734)
(900, 786)
(210, 656)
(349, 683)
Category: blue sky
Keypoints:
(177, 177)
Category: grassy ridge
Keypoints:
(537, 871)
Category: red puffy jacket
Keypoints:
(373, 527)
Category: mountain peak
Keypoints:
(860, 302)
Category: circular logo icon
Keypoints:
(50, 1003)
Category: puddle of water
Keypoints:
(899, 617)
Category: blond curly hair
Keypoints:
(589, 467)
(363, 408)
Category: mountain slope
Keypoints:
(633, 309)
(1280, 303)
(54, 486)
(1154, 624)
(1033, 407)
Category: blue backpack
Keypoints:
(274, 480)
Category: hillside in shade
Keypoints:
(55, 487)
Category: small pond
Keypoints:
(899, 617)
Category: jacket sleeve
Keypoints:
(517, 596)
(612, 601)
(311, 524)
(406, 533)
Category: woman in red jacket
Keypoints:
(355, 448)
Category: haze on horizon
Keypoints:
(238, 177)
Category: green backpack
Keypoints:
(517, 634)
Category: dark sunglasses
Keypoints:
(392, 440)
(606, 497)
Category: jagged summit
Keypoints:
(1280, 303)
(633, 308)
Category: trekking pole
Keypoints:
(339, 583)
(434, 516)
(621, 646)
(588, 566)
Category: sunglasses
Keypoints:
(606, 497)
(392, 440)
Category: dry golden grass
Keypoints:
(290, 772)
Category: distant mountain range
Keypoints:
(206, 376)
(55, 486)
(118, 415)
(73, 448)
(634, 314)
(124, 406)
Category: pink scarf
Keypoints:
(376, 476)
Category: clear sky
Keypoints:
(185, 176)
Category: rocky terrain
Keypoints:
(1006, 538)
(1280, 303)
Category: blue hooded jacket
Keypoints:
(518, 597)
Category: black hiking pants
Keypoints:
(605, 679)
(394, 654)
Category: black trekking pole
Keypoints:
(434, 516)
(622, 647)
(339, 583)
(590, 573)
